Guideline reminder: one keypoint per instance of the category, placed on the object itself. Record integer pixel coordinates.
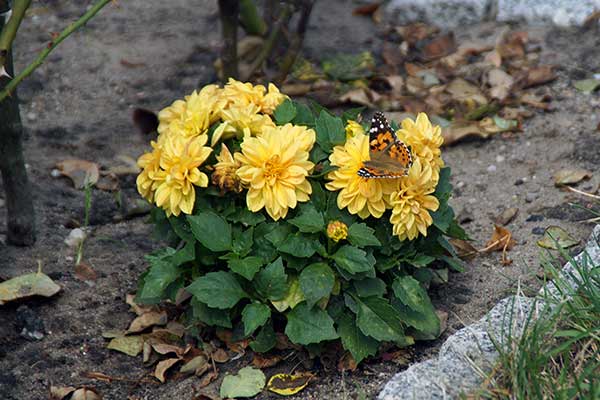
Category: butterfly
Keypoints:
(390, 157)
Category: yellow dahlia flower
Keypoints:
(304, 136)
(412, 202)
(241, 120)
(181, 159)
(243, 94)
(353, 128)
(275, 169)
(151, 175)
(425, 141)
(193, 116)
(360, 195)
(225, 176)
(337, 230)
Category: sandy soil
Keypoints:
(78, 105)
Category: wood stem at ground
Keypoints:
(229, 11)
(296, 42)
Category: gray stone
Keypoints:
(467, 356)
(559, 12)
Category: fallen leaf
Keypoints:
(98, 376)
(220, 356)
(347, 363)
(130, 345)
(464, 249)
(587, 86)
(538, 101)
(147, 320)
(208, 378)
(84, 272)
(349, 67)
(497, 124)
(85, 394)
(400, 357)
(367, 9)
(361, 96)
(439, 47)
(164, 348)
(415, 32)
(195, 364)
(556, 238)
(24, 286)
(500, 83)
(501, 239)
(109, 182)
(570, 176)
(465, 92)
(247, 383)
(146, 352)
(458, 131)
(173, 328)
(60, 392)
(539, 75)
(507, 216)
(494, 58)
(263, 361)
(163, 366)
(287, 385)
(136, 308)
(113, 333)
(81, 172)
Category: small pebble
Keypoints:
(500, 159)
(55, 173)
(460, 185)
(538, 230)
(491, 168)
(76, 236)
(530, 197)
(519, 182)
(31, 116)
(535, 218)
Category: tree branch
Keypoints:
(229, 11)
(8, 33)
(296, 42)
(51, 46)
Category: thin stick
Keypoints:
(8, 33)
(229, 11)
(296, 43)
(51, 46)
(581, 192)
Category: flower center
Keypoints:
(272, 167)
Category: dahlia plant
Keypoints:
(272, 229)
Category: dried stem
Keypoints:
(8, 89)
(296, 42)
(229, 11)
(581, 192)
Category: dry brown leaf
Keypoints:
(28, 285)
(347, 363)
(571, 176)
(538, 101)
(84, 272)
(415, 32)
(220, 356)
(500, 83)
(507, 216)
(288, 385)
(464, 249)
(86, 394)
(208, 378)
(296, 89)
(539, 75)
(465, 92)
(367, 9)
(60, 392)
(439, 47)
(137, 308)
(130, 345)
(81, 172)
(173, 328)
(164, 348)
(163, 366)
(197, 365)
(147, 320)
(109, 182)
(392, 55)
(263, 361)
(458, 131)
(501, 239)
(400, 357)
(361, 96)
(494, 58)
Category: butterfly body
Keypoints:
(390, 158)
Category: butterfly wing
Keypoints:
(390, 157)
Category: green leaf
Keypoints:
(378, 319)
(306, 325)
(316, 282)
(299, 245)
(411, 294)
(304, 115)
(210, 316)
(587, 86)
(265, 340)
(271, 282)
(352, 114)
(182, 228)
(285, 112)
(246, 217)
(349, 67)
(309, 220)
(330, 131)
(293, 297)
(421, 260)
(361, 235)
(278, 234)
(162, 273)
(353, 260)
(319, 196)
(247, 383)
(353, 340)
(217, 289)
(246, 267)
(211, 230)
(427, 322)
(254, 316)
(242, 241)
(369, 287)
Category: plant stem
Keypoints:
(8, 33)
(51, 46)
(19, 203)
(229, 11)
(296, 43)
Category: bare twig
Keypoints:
(51, 46)
(8, 33)
(296, 42)
(581, 192)
(229, 11)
